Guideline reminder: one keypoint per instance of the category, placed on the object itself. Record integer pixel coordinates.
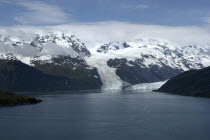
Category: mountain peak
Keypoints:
(42, 47)
(62, 40)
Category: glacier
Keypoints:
(147, 86)
(153, 52)
(107, 74)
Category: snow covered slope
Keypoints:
(43, 47)
(159, 52)
(59, 44)
(145, 61)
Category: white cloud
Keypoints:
(93, 34)
(41, 13)
(25, 50)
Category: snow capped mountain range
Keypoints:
(117, 63)
(145, 61)
(42, 47)
(159, 52)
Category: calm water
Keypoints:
(108, 116)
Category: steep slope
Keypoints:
(192, 83)
(59, 44)
(55, 55)
(79, 74)
(62, 55)
(17, 76)
(133, 73)
(149, 60)
(43, 47)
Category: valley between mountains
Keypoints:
(55, 62)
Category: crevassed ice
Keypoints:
(108, 75)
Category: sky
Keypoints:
(108, 20)
(155, 12)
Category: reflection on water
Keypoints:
(116, 115)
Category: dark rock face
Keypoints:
(57, 73)
(106, 47)
(73, 74)
(79, 74)
(191, 83)
(125, 45)
(17, 76)
(103, 48)
(134, 72)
